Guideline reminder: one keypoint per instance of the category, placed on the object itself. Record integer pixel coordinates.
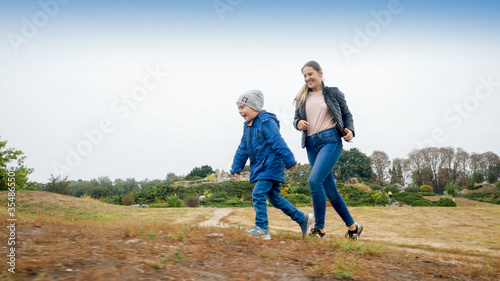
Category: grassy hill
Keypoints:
(65, 238)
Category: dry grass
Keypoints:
(65, 238)
(471, 229)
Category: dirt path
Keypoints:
(215, 220)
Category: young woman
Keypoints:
(324, 119)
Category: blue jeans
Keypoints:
(323, 150)
(271, 189)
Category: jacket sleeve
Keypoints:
(240, 158)
(277, 143)
(346, 114)
(297, 118)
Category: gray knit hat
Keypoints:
(252, 98)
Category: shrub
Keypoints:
(492, 177)
(426, 188)
(192, 201)
(451, 189)
(428, 194)
(299, 199)
(128, 201)
(423, 203)
(372, 198)
(220, 194)
(375, 187)
(174, 201)
(412, 189)
(497, 184)
(391, 188)
(477, 177)
(408, 197)
(300, 189)
(446, 202)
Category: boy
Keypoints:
(269, 155)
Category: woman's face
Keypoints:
(312, 78)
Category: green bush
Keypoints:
(446, 202)
(372, 198)
(174, 201)
(300, 189)
(426, 188)
(492, 177)
(299, 199)
(477, 177)
(408, 197)
(451, 189)
(428, 194)
(474, 186)
(423, 203)
(350, 193)
(391, 188)
(412, 189)
(497, 184)
(375, 187)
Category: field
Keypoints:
(64, 238)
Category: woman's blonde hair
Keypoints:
(301, 96)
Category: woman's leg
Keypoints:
(322, 161)
(336, 199)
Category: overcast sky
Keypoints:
(142, 88)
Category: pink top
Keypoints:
(318, 115)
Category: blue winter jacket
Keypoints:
(268, 152)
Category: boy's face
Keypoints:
(247, 112)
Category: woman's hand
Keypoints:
(291, 169)
(303, 125)
(348, 135)
(237, 174)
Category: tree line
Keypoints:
(436, 166)
(427, 166)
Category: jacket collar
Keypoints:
(249, 124)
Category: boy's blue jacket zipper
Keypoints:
(268, 153)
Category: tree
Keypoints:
(397, 172)
(21, 172)
(352, 163)
(202, 172)
(380, 163)
(58, 185)
(449, 170)
(462, 159)
(299, 176)
(433, 161)
(492, 163)
(416, 165)
(172, 177)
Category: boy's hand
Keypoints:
(291, 169)
(237, 174)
